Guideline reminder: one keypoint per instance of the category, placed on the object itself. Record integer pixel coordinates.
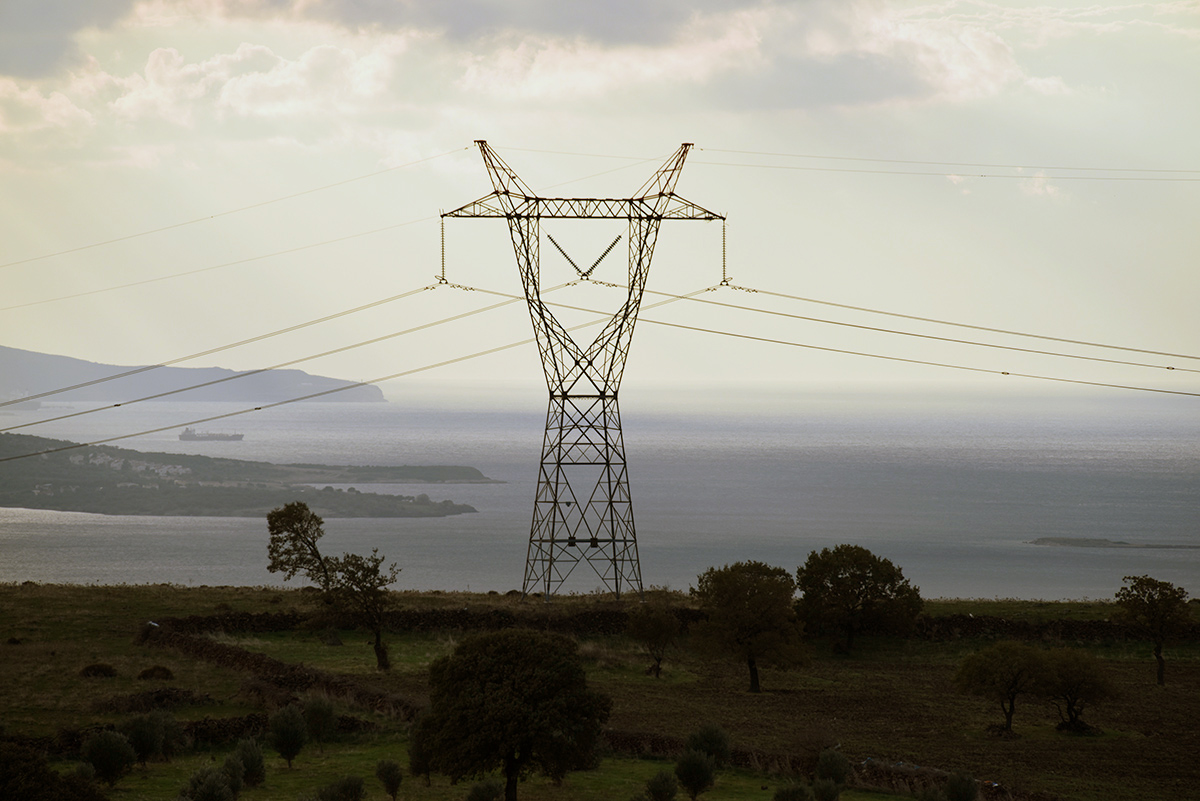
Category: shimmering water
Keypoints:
(952, 494)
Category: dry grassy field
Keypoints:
(891, 701)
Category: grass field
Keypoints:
(893, 700)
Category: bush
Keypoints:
(145, 734)
(235, 772)
(254, 768)
(713, 741)
(173, 736)
(207, 784)
(320, 719)
(695, 772)
(288, 731)
(390, 775)
(793, 792)
(156, 673)
(26, 775)
(960, 787)
(833, 765)
(347, 788)
(110, 754)
(662, 786)
(486, 790)
(98, 670)
(826, 790)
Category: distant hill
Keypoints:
(24, 373)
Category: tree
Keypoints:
(713, 742)
(662, 786)
(26, 775)
(847, 590)
(695, 772)
(1073, 679)
(145, 735)
(110, 754)
(254, 767)
(750, 615)
(288, 731)
(292, 548)
(1002, 672)
(359, 587)
(1159, 608)
(207, 784)
(390, 776)
(512, 700)
(656, 628)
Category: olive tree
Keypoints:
(847, 590)
(1158, 608)
(294, 530)
(515, 701)
(360, 589)
(1074, 679)
(749, 614)
(655, 627)
(1002, 673)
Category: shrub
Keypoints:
(173, 736)
(156, 673)
(960, 787)
(793, 792)
(288, 732)
(662, 786)
(254, 768)
(235, 772)
(26, 775)
(695, 772)
(713, 741)
(486, 790)
(390, 775)
(826, 790)
(98, 670)
(347, 788)
(145, 735)
(833, 765)
(320, 719)
(207, 784)
(110, 754)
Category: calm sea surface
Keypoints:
(952, 494)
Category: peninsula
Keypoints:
(107, 480)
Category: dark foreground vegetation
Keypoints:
(197, 681)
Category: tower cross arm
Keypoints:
(663, 207)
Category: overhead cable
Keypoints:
(231, 211)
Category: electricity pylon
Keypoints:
(583, 511)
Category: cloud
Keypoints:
(37, 36)
(29, 111)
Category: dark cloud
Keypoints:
(613, 21)
(37, 36)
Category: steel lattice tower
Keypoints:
(583, 511)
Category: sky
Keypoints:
(180, 175)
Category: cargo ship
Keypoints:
(192, 435)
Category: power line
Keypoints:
(963, 325)
(804, 168)
(943, 163)
(211, 351)
(216, 266)
(230, 211)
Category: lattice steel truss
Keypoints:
(583, 511)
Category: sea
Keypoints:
(952, 491)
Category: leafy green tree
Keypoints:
(1002, 673)
(750, 614)
(390, 776)
(111, 755)
(360, 588)
(655, 628)
(294, 531)
(513, 700)
(288, 732)
(1159, 608)
(696, 773)
(712, 741)
(848, 590)
(1073, 680)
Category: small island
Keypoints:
(102, 479)
(1096, 542)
